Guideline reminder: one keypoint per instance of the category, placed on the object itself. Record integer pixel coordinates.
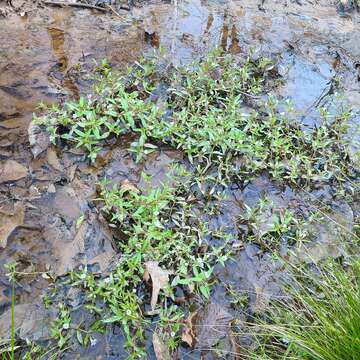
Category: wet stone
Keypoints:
(31, 322)
(255, 275)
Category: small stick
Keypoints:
(30, 227)
(114, 11)
(86, 6)
(250, 95)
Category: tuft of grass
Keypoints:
(13, 322)
(320, 320)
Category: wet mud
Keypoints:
(46, 55)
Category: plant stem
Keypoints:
(13, 322)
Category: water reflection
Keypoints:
(191, 28)
(61, 70)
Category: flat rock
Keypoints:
(31, 322)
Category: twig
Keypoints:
(250, 95)
(86, 6)
(114, 11)
(173, 40)
(31, 227)
(80, 5)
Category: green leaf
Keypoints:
(79, 337)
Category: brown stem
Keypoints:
(80, 5)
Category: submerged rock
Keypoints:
(329, 236)
(32, 322)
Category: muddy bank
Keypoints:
(48, 57)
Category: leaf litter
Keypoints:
(11, 170)
(10, 221)
(161, 348)
(159, 280)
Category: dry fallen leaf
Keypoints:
(126, 185)
(159, 278)
(11, 170)
(70, 172)
(31, 321)
(51, 189)
(212, 324)
(161, 349)
(262, 299)
(88, 244)
(188, 336)
(9, 222)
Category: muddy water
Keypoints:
(46, 54)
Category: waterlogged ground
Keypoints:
(47, 54)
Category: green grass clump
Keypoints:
(213, 112)
(320, 319)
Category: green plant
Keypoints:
(202, 114)
(35, 352)
(270, 226)
(320, 317)
(216, 113)
(158, 226)
(238, 298)
(61, 325)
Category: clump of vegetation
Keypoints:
(320, 319)
(270, 226)
(217, 112)
(160, 227)
(212, 111)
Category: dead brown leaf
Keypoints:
(89, 243)
(11, 170)
(126, 185)
(213, 324)
(188, 336)
(9, 222)
(31, 322)
(161, 349)
(159, 278)
(71, 172)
